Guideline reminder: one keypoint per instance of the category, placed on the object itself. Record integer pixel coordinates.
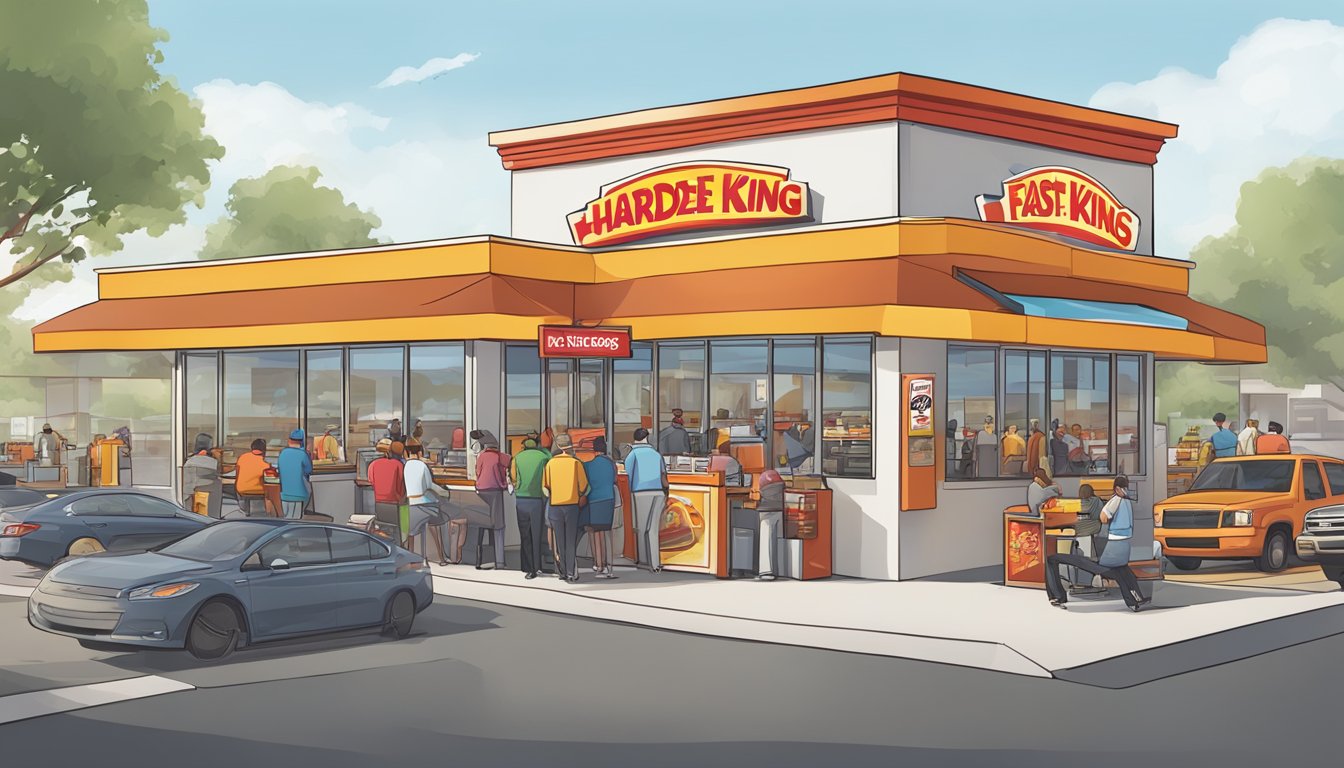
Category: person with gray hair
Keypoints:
(492, 481)
(200, 472)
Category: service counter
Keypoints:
(693, 534)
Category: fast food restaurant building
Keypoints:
(806, 265)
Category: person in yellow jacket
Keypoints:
(327, 448)
(565, 485)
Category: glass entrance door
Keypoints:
(576, 400)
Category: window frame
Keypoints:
(297, 532)
(1320, 480)
(1339, 466)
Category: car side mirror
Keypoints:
(279, 564)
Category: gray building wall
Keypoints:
(941, 171)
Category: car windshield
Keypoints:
(1268, 476)
(218, 542)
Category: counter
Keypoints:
(693, 536)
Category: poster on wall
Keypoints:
(919, 397)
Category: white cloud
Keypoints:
(432, 68)
(1275, 98)
(428, 185)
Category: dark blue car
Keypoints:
(235, 583)
(92, 521)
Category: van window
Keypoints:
(1335, 474)
(1312, 486)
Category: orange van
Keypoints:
(1247, 507)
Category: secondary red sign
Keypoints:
(1063, 201)
(574, 341)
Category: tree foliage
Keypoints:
(284, 211)
(94, 142)
(1282, 265)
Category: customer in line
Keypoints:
(248, 481)
(770, 514)
(1040, 490)
(601, 508)
(387, 475)
(1246, 438)
(1273, 441)
(647, 473)
(295, 468)
(423, 495)
(565, 484)
(200, 472)
(1113, 564)
(492, 482)
(525, 472)
(1224, 440)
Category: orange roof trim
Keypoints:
(883, 98)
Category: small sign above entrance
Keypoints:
(577, 341)
(1063, 201)
(690, 196)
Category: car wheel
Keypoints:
(400, 615)
(215, 631)
(1185, 563)
(85, 546)
(1275, 556)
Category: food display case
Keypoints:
(807, 541)
(693, 529)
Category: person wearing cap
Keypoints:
(200, 472)
(387, 476)
(600, 514)
(327, 447)
(565, 484)
(525, 472)
(492, 481)
(248, 483)
(295, 467)
(674, 440)
(647, 472)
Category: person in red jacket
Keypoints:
(387, 476)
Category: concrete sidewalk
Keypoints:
(980, 625)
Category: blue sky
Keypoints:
(295, 81)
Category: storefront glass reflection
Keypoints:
(793, 441)
(1128, 396)
(632, 394)
(375, 393)
(324, 378)
(1080, 404)
(739, 390)
(847, 407)
(438, 401)
(522, 392)
(261, 400)
(972, 426)
(681, 397)
(201, 404)
(1024, 410)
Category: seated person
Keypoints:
(1114, 561)
(1089, 516)
(1042, 489)
(248, 481)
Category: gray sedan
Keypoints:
(232, 584)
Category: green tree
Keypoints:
(283, 211)
(94, 142)
(1282, 265)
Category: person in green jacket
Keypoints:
(525, 481)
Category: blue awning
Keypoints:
(1097, 311)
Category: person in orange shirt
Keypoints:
(1273, 441)
(248, 482)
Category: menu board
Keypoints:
(1024, 552)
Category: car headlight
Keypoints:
(163, 590)
(1238, 518)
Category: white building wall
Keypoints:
(850, 171)
(867, 512)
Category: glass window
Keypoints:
(202, 397)
(1312, 487)
(794, 432)
(1335, 474)
(217, 542)
(261, 400)
(1023, 408)
(681, 397)
(350, 547)
(437, 416)
(739, 390)
(522, 392)
(106, 504)
(1128, 396)
(299, 547)
(1270, 476)
(972, 432)
(847, 407)
(148, 506)
(324, 376)
(632, 395)
(591, 416)
(1080, 406)
(558, 395)
(375, 393)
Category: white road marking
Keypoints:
(23, 706)
(15, 591)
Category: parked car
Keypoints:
(1247, 507)
(1322, 540)
(13, 498)
(232, 584)
(92, 521)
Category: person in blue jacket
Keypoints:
(600, 512)
(1224, 440)
(647, 472)
(295, 468)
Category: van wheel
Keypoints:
(85, 546)
(1275, 555)
(1185, 563)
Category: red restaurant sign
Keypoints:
(1063, 201)
(576, 341)
(690, 196)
